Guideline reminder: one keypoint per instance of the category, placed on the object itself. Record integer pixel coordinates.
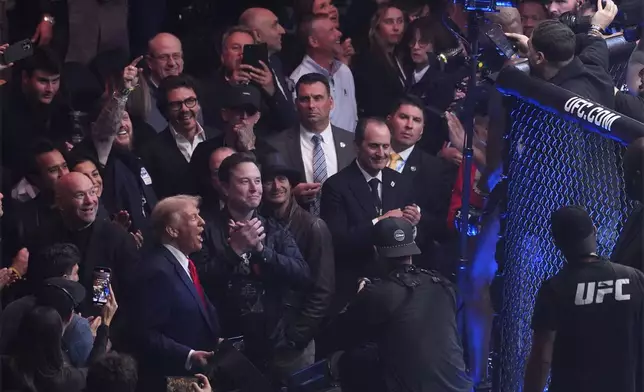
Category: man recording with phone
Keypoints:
(578, 63)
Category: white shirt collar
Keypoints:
(181, 258)
(327, 134)
(368, 177)
(418, 75)
(199, 136)
(404, 154)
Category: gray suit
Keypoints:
(288, 145)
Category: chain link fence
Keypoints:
(551, 162)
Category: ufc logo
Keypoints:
(587, 294)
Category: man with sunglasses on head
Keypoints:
(168, 155)
(240, 113)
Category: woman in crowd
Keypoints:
(429, 78)
(36, 361)
(379, 75)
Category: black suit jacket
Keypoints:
(433, 196)
(278, 110)
(168, 168)
(288, 145)
(347, 208)
(170, 317)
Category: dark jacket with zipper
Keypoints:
(310, 307)
(251, 292)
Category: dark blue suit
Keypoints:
(170, 318)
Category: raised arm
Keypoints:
(109, 120)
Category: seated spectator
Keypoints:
(276, 92)
(35, 360)
(61, 261)
(112, 372)
(35, 110)
(216, 200)
(86, 165)
(310, 307)
(322, 47)
(167, 157)
(250, 266)
(532, 13)
(556, 8)
(378, 73)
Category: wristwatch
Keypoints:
(50, 19)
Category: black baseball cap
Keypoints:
(394, 237)
(61, 294)
(241, 96)
(573, 231)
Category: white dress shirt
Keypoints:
(404, 156)
(368, 177)
(418, 75)
(328, 146)
(184, 144)
(183, 261)
(343, 90)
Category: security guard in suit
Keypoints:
(400, 332)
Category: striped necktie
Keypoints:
(319, 169)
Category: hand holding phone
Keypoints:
(101, 286)
(255, 54)
(16, 52)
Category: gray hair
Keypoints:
(167, 212)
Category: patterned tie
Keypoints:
(195, 279)
(319, 169)
(394, 159)
(373, 183)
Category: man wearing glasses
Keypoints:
(164, 58)
(168, 155)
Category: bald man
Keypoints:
(102, 243)
(509, 19)
(276, 91)
(217, 197)
(629, 249)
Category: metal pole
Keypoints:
(468, 123)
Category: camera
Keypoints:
(629, 19)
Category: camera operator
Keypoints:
(587, 319)
(409, 319)
(551, 55)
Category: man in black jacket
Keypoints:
(356, 198)
(400, 332)
(406, 122)
(313, 239)
(552, 49)
(276, 89)
(249, 263)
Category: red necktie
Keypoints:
(195, 279)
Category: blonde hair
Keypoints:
(167, 212)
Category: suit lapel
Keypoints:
(189, 285)
(171, 144)
(413, 162)
(294, 149)
(361, 190)
(342, 149)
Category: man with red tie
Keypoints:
(176, 326)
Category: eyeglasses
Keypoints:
(176, 105)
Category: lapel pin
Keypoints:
(393, 184)
(342, 145)
(413, 168)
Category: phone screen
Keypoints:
(502, 43)
(101, 286)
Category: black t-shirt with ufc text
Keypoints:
(596, 309)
